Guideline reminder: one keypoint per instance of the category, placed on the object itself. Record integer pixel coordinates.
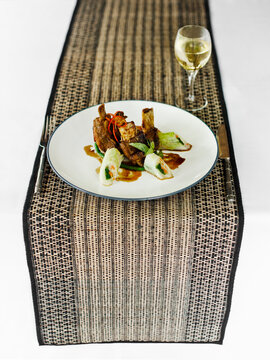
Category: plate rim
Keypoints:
(130, 199)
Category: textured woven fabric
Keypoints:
(165, 272)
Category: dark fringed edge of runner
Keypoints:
(235, 177)
(31, 186)
(27, 243)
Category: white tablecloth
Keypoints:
(32, 34)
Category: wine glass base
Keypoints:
(199, 103)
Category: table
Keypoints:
(38, 33)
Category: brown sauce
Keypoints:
(89, 151)
(173, 160)
(128, 175)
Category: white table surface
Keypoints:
(32, 34)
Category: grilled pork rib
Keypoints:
(149, 130)
(102, 136)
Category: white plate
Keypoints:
(66, 155)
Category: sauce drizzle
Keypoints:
(173, 160)
(128, 175)
(90, 152)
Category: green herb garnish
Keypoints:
(144, 148)
(159, 153)
(140, 146)
(151, 148)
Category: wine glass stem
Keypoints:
(191, 81)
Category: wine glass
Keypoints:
(192, 50)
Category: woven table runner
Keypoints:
(165, 272)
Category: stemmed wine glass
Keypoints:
(192, 50)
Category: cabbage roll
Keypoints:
(156, 166)
(109, 167)
(171, 141)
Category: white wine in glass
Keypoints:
(192, 50)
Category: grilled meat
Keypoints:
(102, 136)
(135, 156)
(131, 134)
(102, 112)
(128, 132)
(125, 133)
(148, 127)
(147, 120)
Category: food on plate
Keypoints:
(131, 134)
(133, 147)
(149, 130)
(171, 141)
(156, 166)
(110, 165)
(101, 133)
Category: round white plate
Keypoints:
(66, 155)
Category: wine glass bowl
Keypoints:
(192, 51)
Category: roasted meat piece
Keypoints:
(135, 156)
(148, 127)
(102, 136)
(131, 134)
(128, 132)
(147, 120)
(102, 112)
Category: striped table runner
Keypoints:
(165, 272)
